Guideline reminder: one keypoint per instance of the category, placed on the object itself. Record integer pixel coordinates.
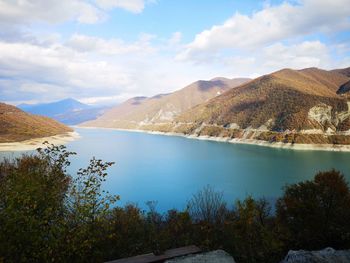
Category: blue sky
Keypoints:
(161, 18)
(106, 51)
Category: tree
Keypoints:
(178, 229)
(88, 207)
(33, 194)
(250, 232)
(127, 233)
(208, 210)
(316, 214)
(46, 215)
(207, 205)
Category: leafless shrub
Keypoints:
(207, 205)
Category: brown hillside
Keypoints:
(279, 101)
(163, 108)
(343, 71)
(16, 125)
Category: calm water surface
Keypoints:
(170, 169)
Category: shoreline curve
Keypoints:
(32, 144)
(277, 145)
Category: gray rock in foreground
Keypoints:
(217, 256)
(327, 255)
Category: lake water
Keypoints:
(170, 169)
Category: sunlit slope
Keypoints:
(284, 100)
(16, 125)
(163, 108)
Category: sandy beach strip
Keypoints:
(33, 144)
(278, 145)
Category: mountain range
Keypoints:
(138, 112)
(293, 106)
(67, 111)
(17, 125)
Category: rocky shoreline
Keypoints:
(279, 145)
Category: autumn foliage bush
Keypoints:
(46, 215)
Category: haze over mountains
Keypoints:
(163, 108)
(17, 125)
(67, 111)
(297, 106)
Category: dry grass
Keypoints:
(16, 125)
(285, 97)
(158, 109)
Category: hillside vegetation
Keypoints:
(163, 108)
(281, 101)
(16, 125)
(308, 106)
(295, 106)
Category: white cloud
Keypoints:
(175, 38)
(50, 11)
(53, 11)
(276, 56)
(135, 6)
(84, 43)
(302, 55)
(35, 72)
(99, 71)
(31, 69)
(271, 24)
(106, 100)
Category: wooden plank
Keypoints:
(168, 254)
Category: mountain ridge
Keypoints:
(162, 108)
(307, 106)
(68, 111)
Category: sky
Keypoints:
(103, 52)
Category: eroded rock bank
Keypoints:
(327, 255)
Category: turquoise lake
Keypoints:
(170, 169)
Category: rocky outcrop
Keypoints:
(327, 255)
(321, 113)
(217, 256)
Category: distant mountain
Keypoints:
(16, 125)
(163, 108)
(67, 111)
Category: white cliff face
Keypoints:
(266, 126)
(165, 114)
(234, 126)
(341, 116)
(312, 131)
(321, 113)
